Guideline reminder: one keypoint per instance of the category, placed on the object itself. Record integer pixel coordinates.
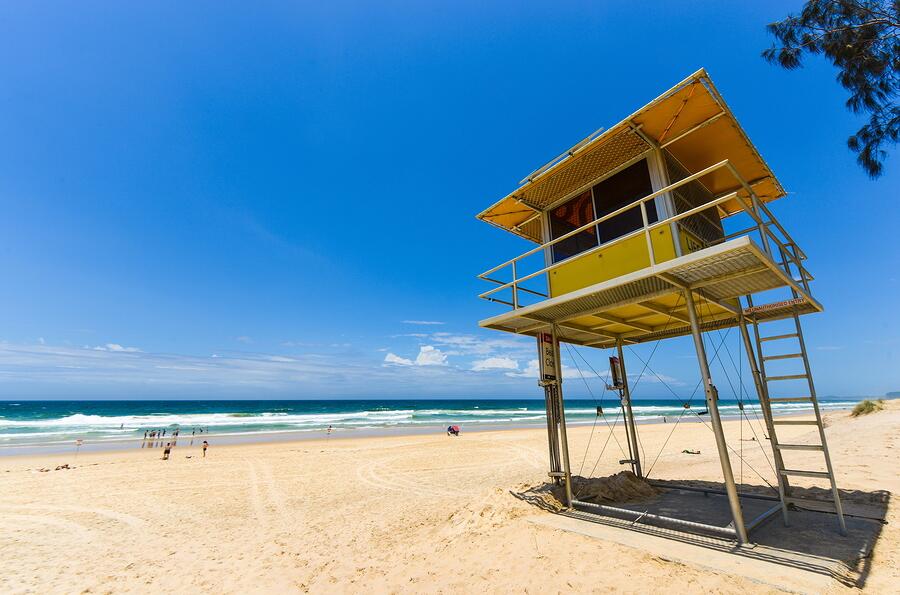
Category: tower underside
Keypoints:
(688, 295)
(649, 304)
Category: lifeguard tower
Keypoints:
(633, 227)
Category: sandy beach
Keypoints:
(390, 514)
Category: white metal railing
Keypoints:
(770, 231)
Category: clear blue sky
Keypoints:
(266, 200)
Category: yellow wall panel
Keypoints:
(613, 261)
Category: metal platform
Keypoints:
(649, 304)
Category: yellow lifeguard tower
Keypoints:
(632, 248)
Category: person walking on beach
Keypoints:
(205, 446)
(166, 451)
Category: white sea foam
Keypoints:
(110, 428)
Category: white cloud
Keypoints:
(530, 371)
(654, 378)
(396, 360)
(281, 358)
(423, 322)
(54, 369)
(428, 356)
(495, 363)
(431, 356)
(471, 344)
(115, 347)
(568, 372)
(32, 370)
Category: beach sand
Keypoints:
(424, 513)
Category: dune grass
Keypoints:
(866, 407)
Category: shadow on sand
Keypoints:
(812, 542)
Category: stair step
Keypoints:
(790, 399)
(785, 356)
(795, 422)
(799, 447)
(800, 473)
(788, 377)
(776, 337)
(809, 501)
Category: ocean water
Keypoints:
(60, 423)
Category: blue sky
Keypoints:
(271, 200)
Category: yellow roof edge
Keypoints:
(697, 75)
(514, 229)
(714, 91)
(700, 75)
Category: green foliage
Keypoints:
(862, 39)
(866, 407)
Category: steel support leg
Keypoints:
(563, 438)
(629, 415)
(713, 408)
(550, 402)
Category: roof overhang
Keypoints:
(691, 121)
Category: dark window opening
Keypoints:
(619, 190)
(569, 217)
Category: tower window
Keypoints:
(569, 217)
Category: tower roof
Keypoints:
(690, 120)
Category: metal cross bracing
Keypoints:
(738, 529)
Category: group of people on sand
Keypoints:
(167, 450)
(157, 439)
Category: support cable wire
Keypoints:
(686, 405)
(693, 394)
(753, 409)
(631, 389)
(593, 427)
(618, 413)
(611, 428)
(766, 481)
(709, 309)
(600, 404)
(740, 376)
(602, 450)
(739, 395)
(743, 414)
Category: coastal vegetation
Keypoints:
(867, 406)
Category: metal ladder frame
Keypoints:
(761, 379)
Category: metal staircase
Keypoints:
(778, 447)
